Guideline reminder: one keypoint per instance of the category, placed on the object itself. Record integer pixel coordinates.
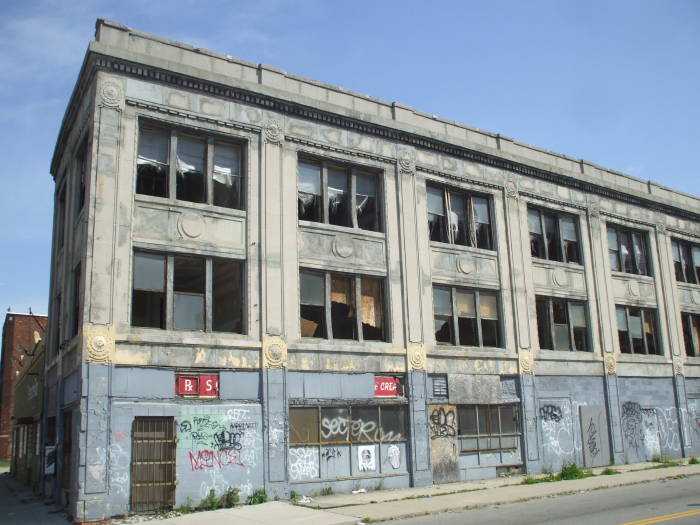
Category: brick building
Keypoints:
(262, 281)
(20, 335)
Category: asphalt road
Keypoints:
(654, 502)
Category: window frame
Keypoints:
(356, 292)
(550, 319)
(81, 171)
(643, 316)
(169, 276)
(684, 265)
(559, 237)
(76, 296)
(620, 231)
(352, 171)
(211, 140)
(692, 346)
(448, 232)
(454, 317)
(499, 434)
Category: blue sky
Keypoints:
(614, 82)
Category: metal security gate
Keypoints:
(152, 463)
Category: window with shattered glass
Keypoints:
(466, 317)
(458, 217)
(338, 194)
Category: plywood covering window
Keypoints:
(339, 194)
(203, 293)
(341, 306)
(466, 317)
(691, 333)
(203, 169)
(686, 261)
(562, 324)
(627, 250)
(637, 331)
(553, 236)
(458, 217)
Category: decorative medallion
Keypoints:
(511, 187)
(661, 228)
(560, 277)
(273, 131)
(610, 364)
(633, 288)
(99, 342)
(466, 264)
(190, 225)
(593, 207)
(695, 297)
(678, 368)
(416, 357)
(111, 94)
(274, 353)
(526, 362)
(406, 161)
(343, 247)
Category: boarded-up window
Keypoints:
(153, 463)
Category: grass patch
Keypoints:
(573, 471)
(609, 472)
(694, 461)
(257, 497)
(4, 463)
(531, 480)
(327, 491)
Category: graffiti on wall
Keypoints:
(592, 436)
(443, 423)
(550, 413)
(650, 431)
(359, 430)
(330, 453)
(303, 463)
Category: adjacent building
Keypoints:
(266, 282)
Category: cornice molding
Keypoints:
(117, 65)
(336, 149)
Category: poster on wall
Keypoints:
(50, 459)
(366, 458)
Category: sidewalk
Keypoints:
(20, 506)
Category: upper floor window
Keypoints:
(192, 176)
(686, 261)
(561, 324)
(691, 333)
(76, 314)
(60, 217)
(81, 176)
(458, 217)
(553, 236)
(339, 306)
(203, 293)
(636, 330)
(627, 250)
(466, 317)
(333, 193)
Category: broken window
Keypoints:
(189, 289)
(336, 316)
(336, 194)
(192, 174)
(553, 236)
(60, 217)
(691, 333)
(81, 175)
(562, 324)
(193, 303)
(465, 317)
(77, 312)
(191, 161)
(636, 330)
(487, 427)
(686, 261)
(627, 250)
(457, 217)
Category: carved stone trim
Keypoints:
(99, 343)
(633, 289)
(335, 149)
(274, 354)
(560, 277)
(466, 264)
(190, 225)
(343, 247)
(273, 132)
(695, 297)
(526, 362)
(678, 368)
(511, 188)
(416, 357)
(407, 162)
(610, 364)
(111, 94)
(593, 208)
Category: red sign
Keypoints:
(386, 386)
(197, 385)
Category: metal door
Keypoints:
(152, 463)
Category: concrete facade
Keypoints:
(297, 409)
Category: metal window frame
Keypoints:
(687, 247)
(499, 434)
(559, 237)
(644, 313)
(687, 319)
(471, 221)
(550, 322)
(477, 302)
(643, 236)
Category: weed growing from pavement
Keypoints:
(609, 472)
(257, 497)
(694, 461)
(327, 491)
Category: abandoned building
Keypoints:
(265, 282)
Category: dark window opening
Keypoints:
(81, 175)
(686, 261)
(60, 217)
(627, 251)
(191, 162)
(691, 333)
(457, 217)
(189, 288)
(562, 324)
(636, 329)
(343, 322)
(372, 309)
(148, 300)
(226, 176)
(553, 236)
(77, 311)
(350, 195)
(312, 305)
(227, 293)
(152, 165)
(466, 317)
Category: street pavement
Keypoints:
(21, 507)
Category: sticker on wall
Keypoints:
(366, 458)
(50, 459)
(394, 455)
